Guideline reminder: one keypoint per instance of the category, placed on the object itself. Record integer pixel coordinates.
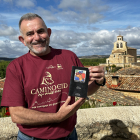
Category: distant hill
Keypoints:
(97, 56)
(6, 59)
(94, 56)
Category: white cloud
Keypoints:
(82, 11)
(25, 3)
(78, 4)
(95, 17)
(10, 16)
(101, 42)
(46, 15)
(83, 43)
(7, 30)
(86, 27)
(94, 43)
(84, 5)
(11, 49)
(14, 37)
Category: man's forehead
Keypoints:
(33, 23)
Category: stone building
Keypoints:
(122, 54)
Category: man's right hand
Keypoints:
(26, 116)
(67, 110)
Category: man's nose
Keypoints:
(36, 36)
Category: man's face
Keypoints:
(36, 36)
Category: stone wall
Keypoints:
(117, 64)
(133, 52)
(104, 123)
(134, 65)
(109, 123)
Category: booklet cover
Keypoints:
(79, 82)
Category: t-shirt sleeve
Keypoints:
(13, 93)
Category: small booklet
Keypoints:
(79, 82)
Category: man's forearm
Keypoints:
(24, 116)
(92, 87)
(27, 116)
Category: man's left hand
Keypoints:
(96, 73)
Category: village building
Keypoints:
(126, 79)
(122, 54)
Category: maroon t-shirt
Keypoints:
(42, 84)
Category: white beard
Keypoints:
(42, 51)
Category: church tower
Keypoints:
(121, 53)
(119, 38)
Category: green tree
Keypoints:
(93, 62)
(3, 66)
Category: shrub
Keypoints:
(3, 66)
(4, 112)
(93, 62)
(113, 66)
(85, 105)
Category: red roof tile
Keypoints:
(129, 79)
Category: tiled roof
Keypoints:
(129, 80)
(105, 97)
(128, 71)
(129, 55)
(131, 48)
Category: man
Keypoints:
(37, 85)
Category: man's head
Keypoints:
(34, 34)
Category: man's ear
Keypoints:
(49, 31)
(22, 40)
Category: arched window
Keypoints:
(121, 45)
(117, 45)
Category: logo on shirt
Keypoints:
(47, 80)
(50, 88)
(48, 103)
(51, 67)
(52, 91)
(59, 66)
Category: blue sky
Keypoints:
(86, 27)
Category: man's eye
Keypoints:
(29, 34)
(41, 31)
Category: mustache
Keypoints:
(40, 41)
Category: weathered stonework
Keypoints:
(121, 53)
(111, 123)
(106, 123)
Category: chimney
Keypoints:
(115, 80)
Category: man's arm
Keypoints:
(25, 116)
(96, 73)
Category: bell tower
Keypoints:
(119, 38)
